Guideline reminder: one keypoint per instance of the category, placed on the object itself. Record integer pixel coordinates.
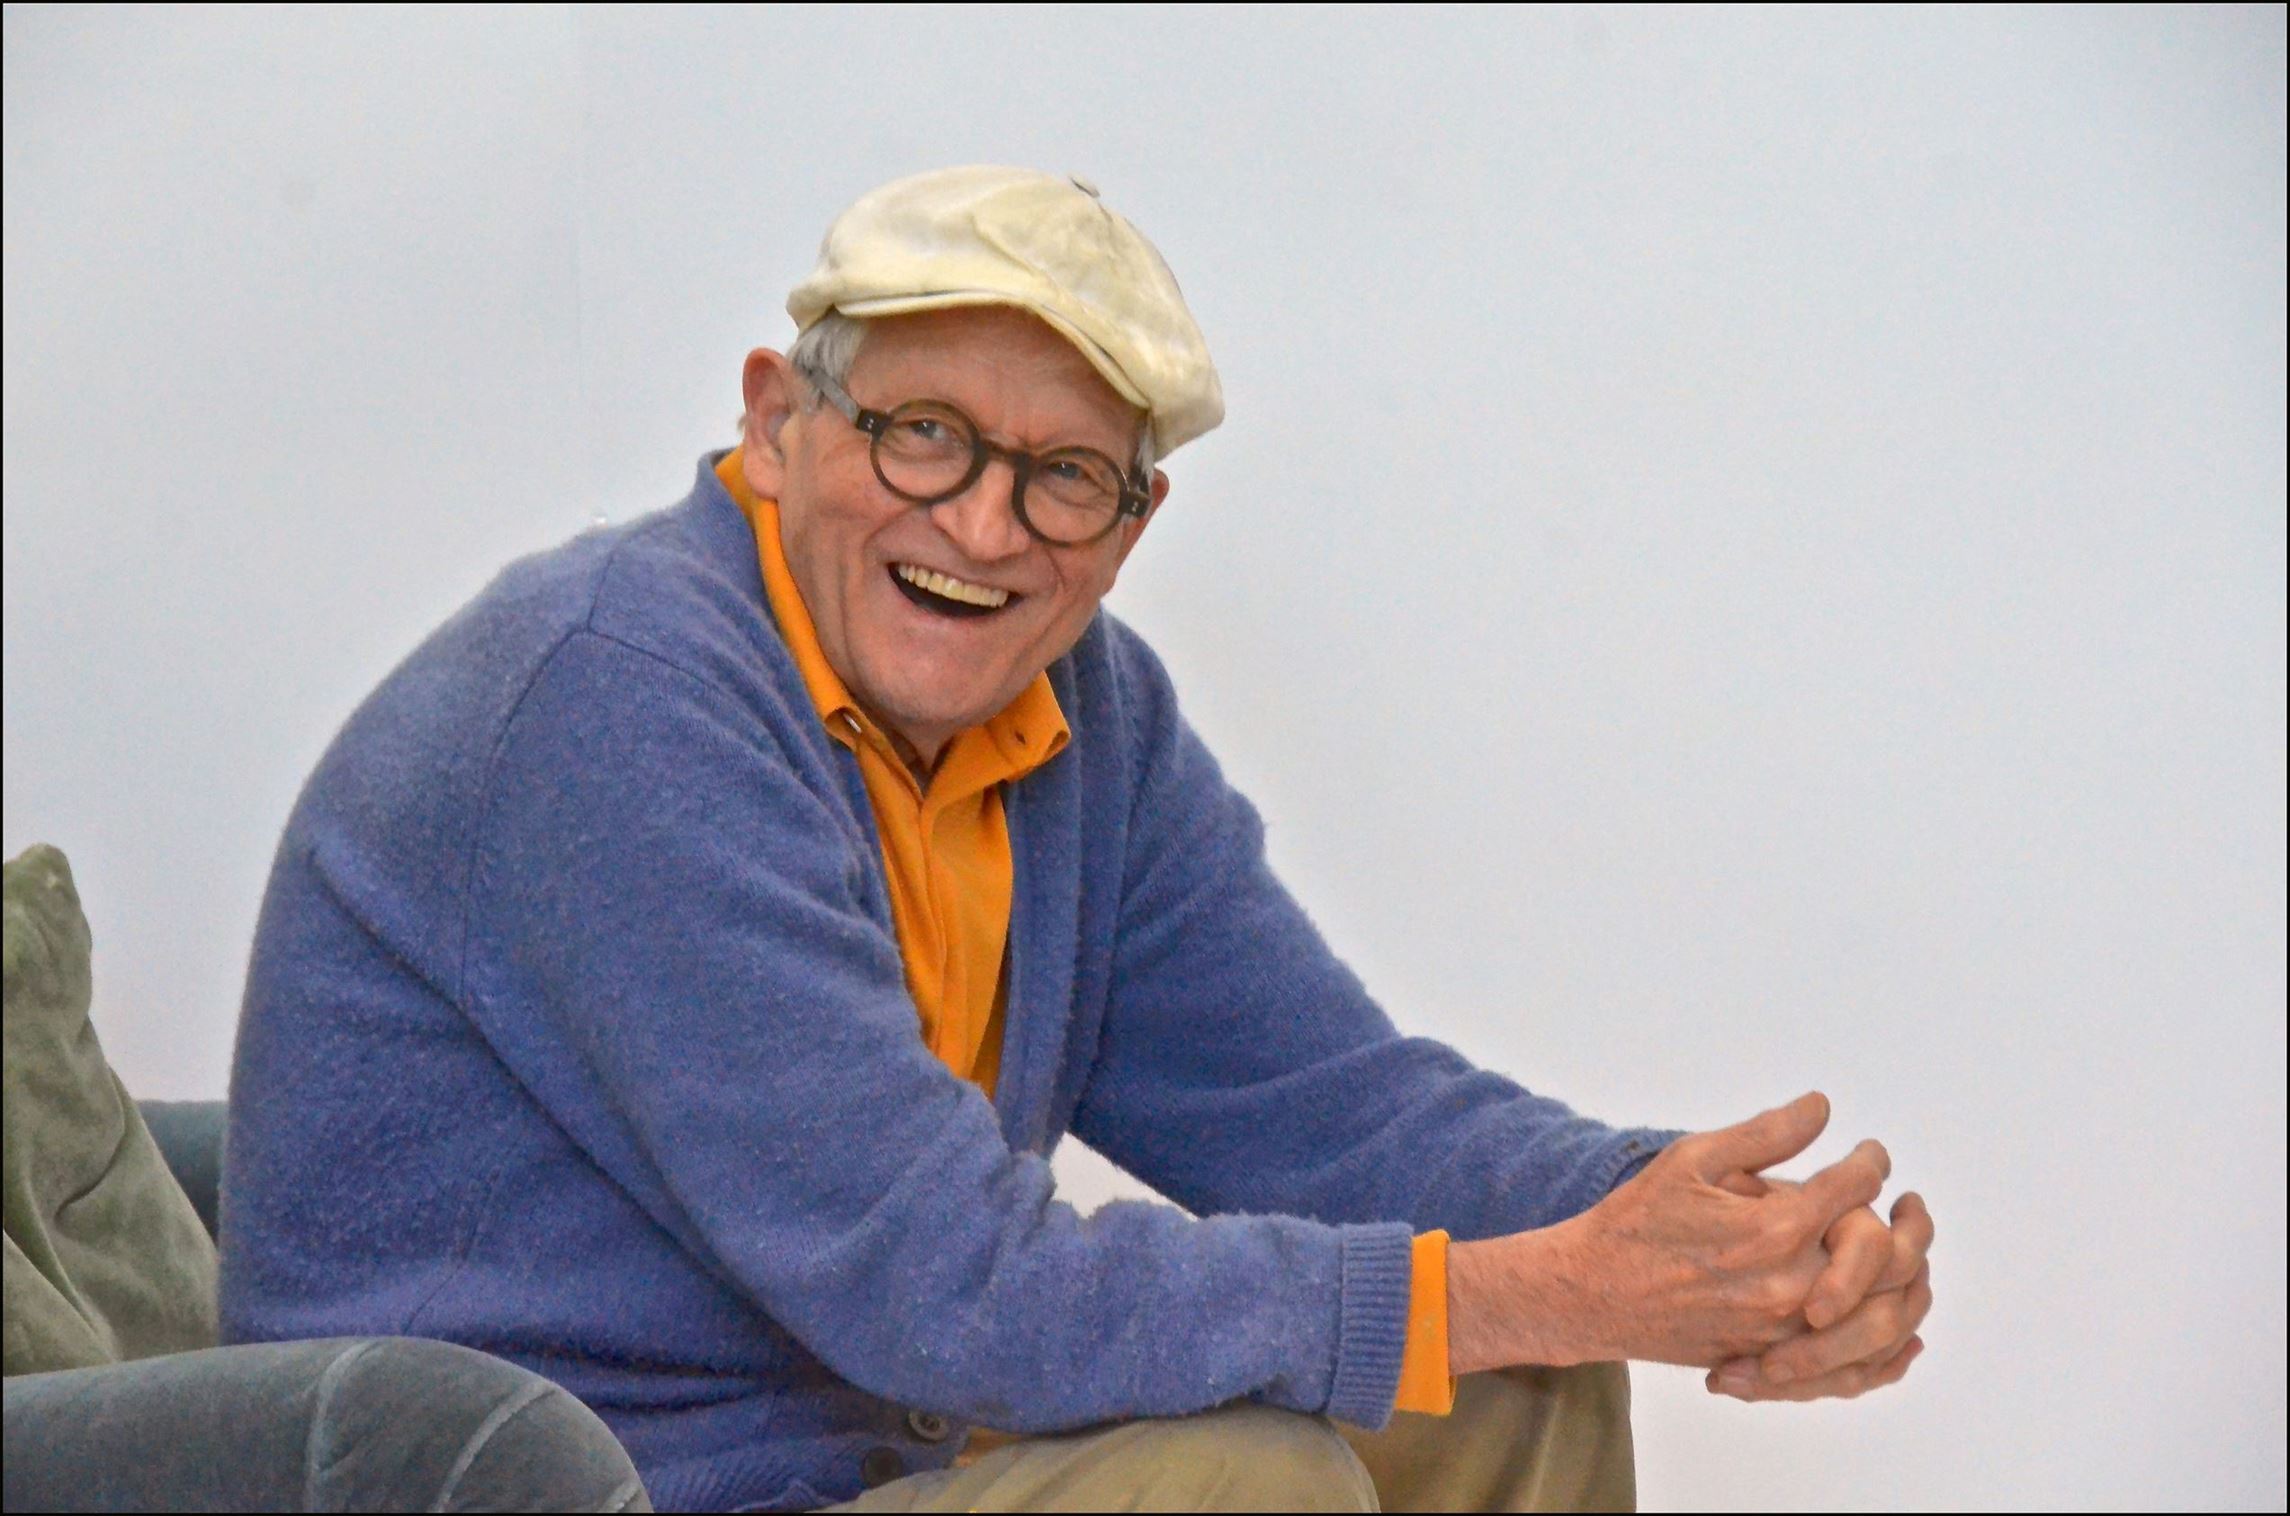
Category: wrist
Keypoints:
(1520, 1299)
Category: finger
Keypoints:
(1872, 1332)
(1860, 1248)
(1911, 1241)
(1840, 1384)
(1894, 1369)
(1776, 1136)
(1848, 1184)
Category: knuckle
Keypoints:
(1795, 1223)
(1776, 1298)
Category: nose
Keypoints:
(981, 521)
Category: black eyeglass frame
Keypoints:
(1135, 500)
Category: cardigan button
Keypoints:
(880, 1467)
(926, 1427)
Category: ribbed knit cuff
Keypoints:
(1371, 1323)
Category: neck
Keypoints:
(920, 757)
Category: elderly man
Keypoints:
(675, 978)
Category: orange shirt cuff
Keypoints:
(1424, 1383)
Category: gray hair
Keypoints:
(831, 344)
(828, 346)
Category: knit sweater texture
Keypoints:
(576, 1031)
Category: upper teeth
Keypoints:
(951, 588)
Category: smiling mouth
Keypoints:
(944, 595)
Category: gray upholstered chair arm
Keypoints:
(190, 1137)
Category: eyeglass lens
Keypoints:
(930, 452)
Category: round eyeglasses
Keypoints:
(928, 452)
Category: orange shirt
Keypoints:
(946, 852)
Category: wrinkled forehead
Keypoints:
(995, 359)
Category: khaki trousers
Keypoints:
(1523, 1439)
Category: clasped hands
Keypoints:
(1782, 1290)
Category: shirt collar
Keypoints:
(1013, 742)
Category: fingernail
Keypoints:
(1736, 1381)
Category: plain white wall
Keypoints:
(1748, 553)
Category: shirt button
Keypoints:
(880, 1467)
(926, 1427)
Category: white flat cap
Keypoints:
(1011, 236)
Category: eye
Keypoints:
(924, 428)
(1065, 469)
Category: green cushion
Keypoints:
(106, 1260)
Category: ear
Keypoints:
(770, 388)
(1134, 528)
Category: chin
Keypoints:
(927, 718)
(931, 709)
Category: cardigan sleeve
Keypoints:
(671, 948)
(1243, 1068)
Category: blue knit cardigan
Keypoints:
(576, 1031)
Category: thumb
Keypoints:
(1764, 1140)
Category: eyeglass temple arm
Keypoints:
(870, 422)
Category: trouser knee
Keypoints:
(410, 1424)
(1584, 1407)
(340, 1424)
(1256, 1458)
(1592, 1392)
(1553, 1439)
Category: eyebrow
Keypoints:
(1126, 457)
